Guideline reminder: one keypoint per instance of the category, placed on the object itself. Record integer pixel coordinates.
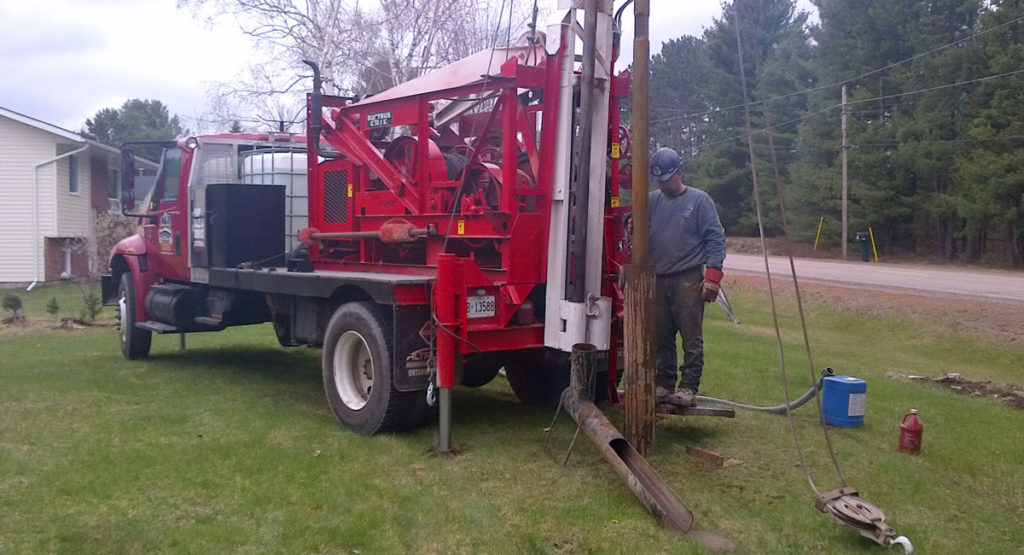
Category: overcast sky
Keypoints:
(61, 61)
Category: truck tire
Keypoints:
(480, 369)
(539, 377)
(135, 342)
(357, 370)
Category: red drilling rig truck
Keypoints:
(468, 220)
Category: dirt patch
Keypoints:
(1009, 393)
(778, 247)
(25, 326)
(71, 324)
(16, 320)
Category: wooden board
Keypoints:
(698, 410)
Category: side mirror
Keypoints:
(127, 180)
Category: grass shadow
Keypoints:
(263, 362)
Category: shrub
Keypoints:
(53, 307)
(12, 303)
(92, 307)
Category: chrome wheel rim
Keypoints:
(353, 370)
(122, 316)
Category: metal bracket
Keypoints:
(846, 507)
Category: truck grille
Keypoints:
(336, 197)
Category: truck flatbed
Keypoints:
(319, 283)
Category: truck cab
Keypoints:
(158, 277)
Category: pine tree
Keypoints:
(775, 49)
(990, 163)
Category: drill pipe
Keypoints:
(640, 477)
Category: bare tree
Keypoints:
(360, 49)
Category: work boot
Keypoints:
(684, 398)
(664, 395)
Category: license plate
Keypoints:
(480, 306)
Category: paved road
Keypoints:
(992, 285)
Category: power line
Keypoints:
(908, 93)
(861, 101)
(940, 141)
(932, 51)
(936, 88)
(837, 83)
(801, 118)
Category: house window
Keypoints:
(113, 183)
(73, 174)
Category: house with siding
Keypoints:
(54, 184)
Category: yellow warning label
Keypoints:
(615, 202)
(461, 227)
(349, 190)
(616, 150)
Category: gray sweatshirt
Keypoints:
(685, 231)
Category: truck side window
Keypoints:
(170, 172)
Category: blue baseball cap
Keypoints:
(664, 164)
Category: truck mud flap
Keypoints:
(412, 356)
(108, 290)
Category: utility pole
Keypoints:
(844, 169)
(638, 324)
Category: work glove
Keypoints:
(712, 280)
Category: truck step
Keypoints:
(208, 321)
(158, 327)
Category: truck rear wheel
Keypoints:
(357, 370)
(478, 370)
(539, 377)
(135, 342)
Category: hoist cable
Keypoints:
(844, 504)
(760, 226)
(789, 251)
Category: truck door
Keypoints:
(166, 234)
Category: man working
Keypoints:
(685, 236)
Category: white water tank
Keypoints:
(281, 167)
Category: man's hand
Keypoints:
(712, 280)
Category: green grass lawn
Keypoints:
(230, 447)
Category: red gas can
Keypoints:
(911, 431)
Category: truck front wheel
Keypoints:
(357, 372)
(135, 342)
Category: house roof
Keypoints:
(112, 154)
(41, 125)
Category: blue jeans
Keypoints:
(679, 308)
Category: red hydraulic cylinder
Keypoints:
(445, 298)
